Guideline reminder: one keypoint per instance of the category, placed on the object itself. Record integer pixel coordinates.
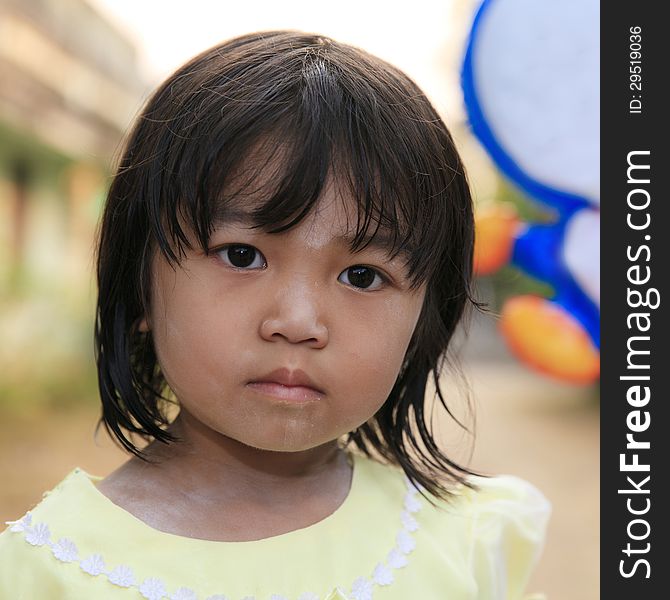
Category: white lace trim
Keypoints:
(153, 588)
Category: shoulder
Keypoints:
(66, 498)
(504, 523)
(70, 502)
(481, 543)
(509, 518)
(506, 498)
(30, 549)
(19, 565)
(494, 502)
(488, 504)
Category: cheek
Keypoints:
(195, 333)
(375, 350)
(383, 335)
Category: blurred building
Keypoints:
(69, 87)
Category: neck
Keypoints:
(205, 459)
(209, 486)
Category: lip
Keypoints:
(284, 384)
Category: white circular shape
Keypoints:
(537, 74)
(581, 251)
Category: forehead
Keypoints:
(262, 193)
(334, 218)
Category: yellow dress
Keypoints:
(384, 542)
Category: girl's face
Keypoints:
(283, 341)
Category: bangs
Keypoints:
(271, 140)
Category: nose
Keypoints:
(296, 316)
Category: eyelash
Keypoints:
(221, 253)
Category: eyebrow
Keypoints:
(382, 240)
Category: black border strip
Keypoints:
(635, 260)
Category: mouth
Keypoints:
(291, 386)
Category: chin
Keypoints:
(284, 446)
(287, 443)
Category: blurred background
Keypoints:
(73, 73)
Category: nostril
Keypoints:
(294, 332)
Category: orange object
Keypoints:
(549, 339)
(495, 230)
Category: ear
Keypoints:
(143, 326)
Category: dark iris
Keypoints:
(241, 256)
(361, 277)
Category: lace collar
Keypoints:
(94, 564)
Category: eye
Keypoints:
(241, 256)
(362, 277)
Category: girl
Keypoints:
(284, 255)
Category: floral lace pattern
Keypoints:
(153, 588)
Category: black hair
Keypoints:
(324, 108)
